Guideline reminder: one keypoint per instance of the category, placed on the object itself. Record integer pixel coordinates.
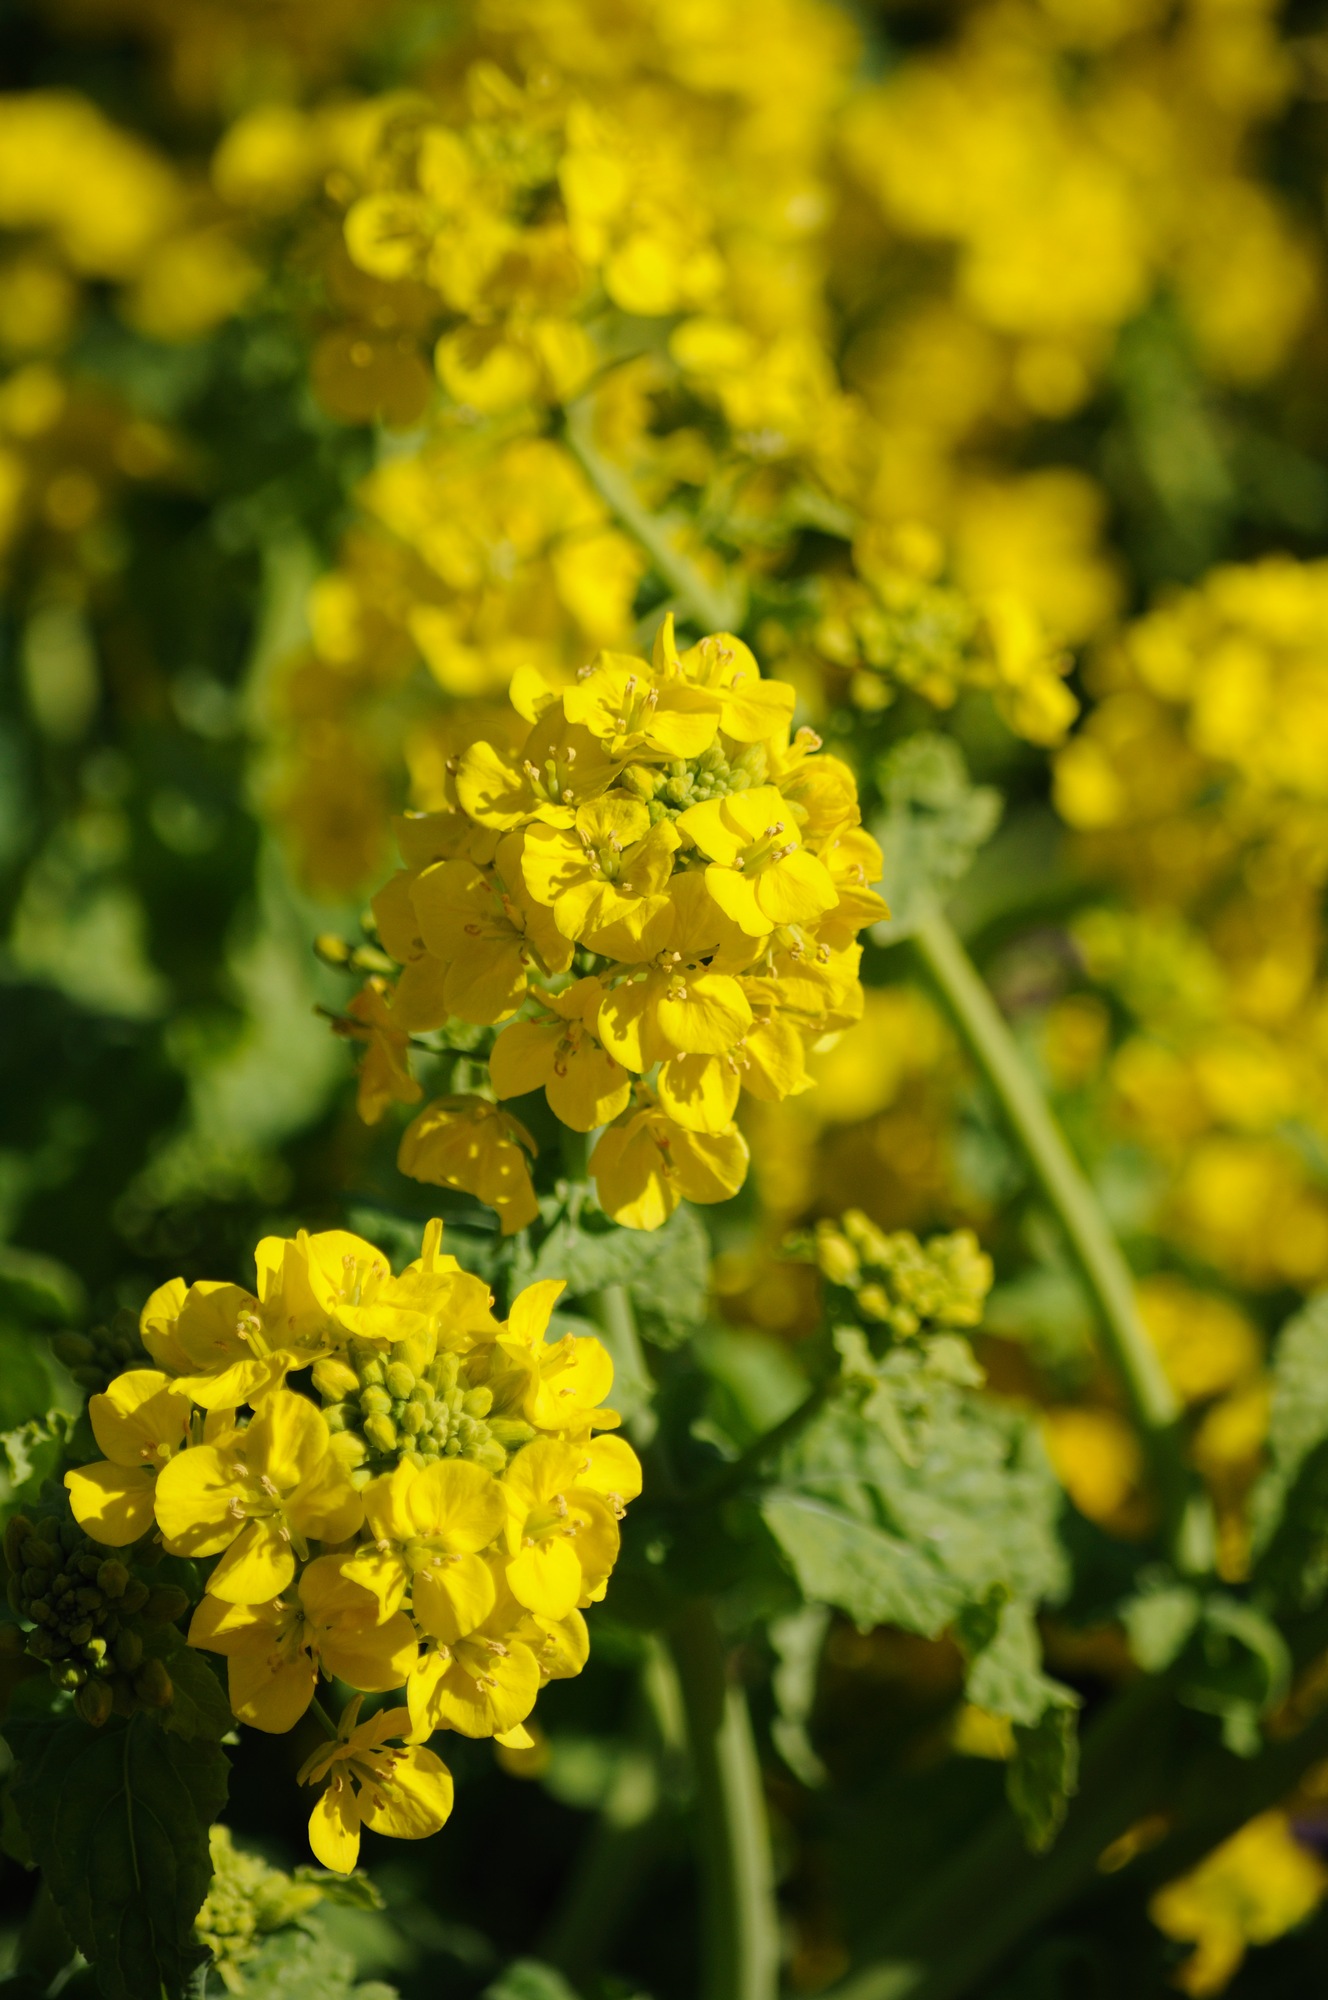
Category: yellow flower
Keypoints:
(404, 1791)
(275, 1651)
(750, 709)
(646, 1164)
(479, 1677)
(385, 1076)
(486, 931)
(637, 715)
(560, 1384)
(760, 873)
(559, 767)
(584, 1084)
(1254, 1887)
(428, 1526)
(258, 1499)
(140, 1422)
(562, 1538)
(468, 1143)
(605, 877)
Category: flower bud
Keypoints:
(17, 1532)
(94, 1702)
(166, 1604)
(477, 1402)
(127, 1651)
(400, 1380)
(381, 1432)
(153, 1685)
(135, 1596)
(413, 1420)
(112, 1577)
(375, 1402)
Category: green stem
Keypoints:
(730, 1477)
(740, 1923)
(714, 610)
(323, 1719)
(1152, 1400)
(633, 1384)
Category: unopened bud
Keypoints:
(375, 1403)
(135, 1596)
(166, 1604)
(94, 1702)
(17, 1532)
(112, 1577)
(127, 1651)
(381, 1432)
(400, 1380)
(153, 1685)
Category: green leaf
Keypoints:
(1237, 1666)
(1005, 1667)
(797, 1640)
(528, 1979)
(934, 821)
(666, 1271)
(1289, 1506)
(201, 1707)
(118, 1821)
(1043, 1775)
(1159, 1621)
(303, 1964)
(873, 1576)
(30, 1455)
(36, 1290)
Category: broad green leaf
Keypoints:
(528, 1979)
(860, 1569)
(1237, 1666)
(201, 1707)
(118, 1821)
(666, 1271)
(1043, 1775)
(933, 823)
(1159, 1621)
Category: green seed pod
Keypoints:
(381, 1432)
(112, 1577)
(94, 1702)
(135, 1596)
(400, 1380)
(153, 1685)
(128, 1651)
(166, 1604)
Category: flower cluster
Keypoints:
(433, 1515)
(899, 1283)
(663, 885)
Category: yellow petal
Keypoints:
(796, 890)
(546, 1577)
(416, 1799)
(270, 1693)
(736, 896)
(334, 1828)
(453, 1598)
(460, 1503)
(700, 1092)
(258, 1564)
(287, 1439)
(522, 1057)
(193, 1501)
(532, 1308)
(112, 1503)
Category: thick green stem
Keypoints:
(1152, 1400)
(740, 1923)
(714, 610)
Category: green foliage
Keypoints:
(118, 1820)
(932, 823)
(527, 1979)
(1290, 1504)
(921, 1504)
(298, 1963)
(1043, 1775)
(666, 1273)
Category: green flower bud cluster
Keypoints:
(90, 1613)
(899, 1283)
(247, 1901)
(397, 1411)
(713, 775)
(919, 634)
(96, 1357)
